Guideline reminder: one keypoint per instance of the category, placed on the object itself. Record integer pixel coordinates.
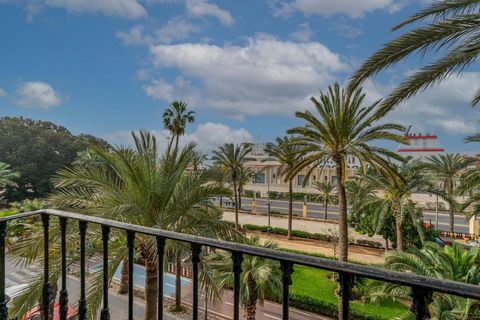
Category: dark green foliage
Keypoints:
(37, 149)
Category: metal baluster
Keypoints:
(287, 269)
(422, 297)
(344, 293)
(82, 304)
(3, 297)
(47, 290)
(131, 245)
(237, 270)
(195, 261)
(63, 292)
(105, 314)
(160, 253)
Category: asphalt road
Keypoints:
(316, 210)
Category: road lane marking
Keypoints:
(170, 285)
(270, 316)
(229, 303)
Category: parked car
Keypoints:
(35, 313)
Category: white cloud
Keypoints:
(129, 9)
(133, 37)
(263, 77)
(441, 109)
(208, 136)
(3, 93)
(176, 28)
(160, 89)
(200, 8)
(302, 34)
(326, 8)
(38, 94)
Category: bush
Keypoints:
(369, 243)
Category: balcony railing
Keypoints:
(422, 287)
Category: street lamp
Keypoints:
(268, 213)
(437, 190)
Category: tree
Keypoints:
(7, 176)
(344, 127)
(359, 191)
(134, 187)
(396, 194)
(37, 149)
(327, 190)
(452, 263)
(446, 169)
(230, 157)
(245, 175)
(175, 120)
(454, 29)
(288, 154)
(260, 277)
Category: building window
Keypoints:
(334, 179)
(300, 179)
(314, 178)
(260, 178)
(273, 176)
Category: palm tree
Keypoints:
(396, 194)
(359, 192)
(198, 159)
(327, 190)
(175, 119)
(454, 27)
(245, 176)
(7, 175)
(288, 154)
(230, 157)
(446, 169)
(134, 187)
(344, 127)
(260, 277)
(452, 263)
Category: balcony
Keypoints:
(421, 287)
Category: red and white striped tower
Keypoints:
(421, 146)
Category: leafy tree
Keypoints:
(359, 192)
(175, 120)
(454, 28)
(134, 187)
(452, 263)
(327, 190)
(230, 157)
(288, 154)
(260, 277)
(7, 176)
(446, 169)
(37, 149)
(343, 127)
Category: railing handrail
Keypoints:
(376, 273)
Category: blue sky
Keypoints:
(107, 67)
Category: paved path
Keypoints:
(316, 210)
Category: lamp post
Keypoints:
(268, 213)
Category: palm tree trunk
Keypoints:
(240, 197)
(398, 227)
(251, 307)
(221, 201)
(205, 313)
(325, 208)
(342, 229)
(177, 138)
(290, 209)
(151, 292)
(236, 202)
(178, 282)
(452, 217)
(123, 278)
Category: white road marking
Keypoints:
(170, 285)
(270, 316)
(229, 303)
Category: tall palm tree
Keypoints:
(198, 159)
(359, 192)
(396, 194)
(288, 154)
(175, 120)
(327, 190)
(134, 187)
(454, 30)
(452, 263)
(446, 169)
(344, 127)
(7, 175)
(230, 157)
(260, 277)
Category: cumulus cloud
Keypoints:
(3, 93)
(326, 8)
(38, 94)
(200, 8)
(264, 76)
(441, 109)
(208, 136)
(302, 34)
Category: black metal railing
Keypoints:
(422, 287)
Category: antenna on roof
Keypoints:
(408, 130)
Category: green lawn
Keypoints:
(318, 287)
